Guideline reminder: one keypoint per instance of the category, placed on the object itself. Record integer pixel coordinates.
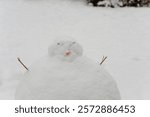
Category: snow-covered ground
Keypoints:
(27, 27)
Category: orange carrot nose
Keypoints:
(68, 53)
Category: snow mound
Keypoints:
(63, 76)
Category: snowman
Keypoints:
(65, 74)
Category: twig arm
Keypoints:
(103, 59)
(22, 64)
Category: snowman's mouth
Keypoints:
(68, 53)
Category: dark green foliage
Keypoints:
(123, 3)
(136, 3)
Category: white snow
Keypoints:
(106, 3)
(27, 27)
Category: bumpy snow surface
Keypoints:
(27, 28)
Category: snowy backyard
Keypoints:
(28, 27)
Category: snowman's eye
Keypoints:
(58, 43)
(73, 42)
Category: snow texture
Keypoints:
(106, 3)
(66, 74)
(27, 27)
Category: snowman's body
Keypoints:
(58, 77)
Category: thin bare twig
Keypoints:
(103, 59)
(22, 64)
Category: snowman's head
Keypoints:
(66, 49)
